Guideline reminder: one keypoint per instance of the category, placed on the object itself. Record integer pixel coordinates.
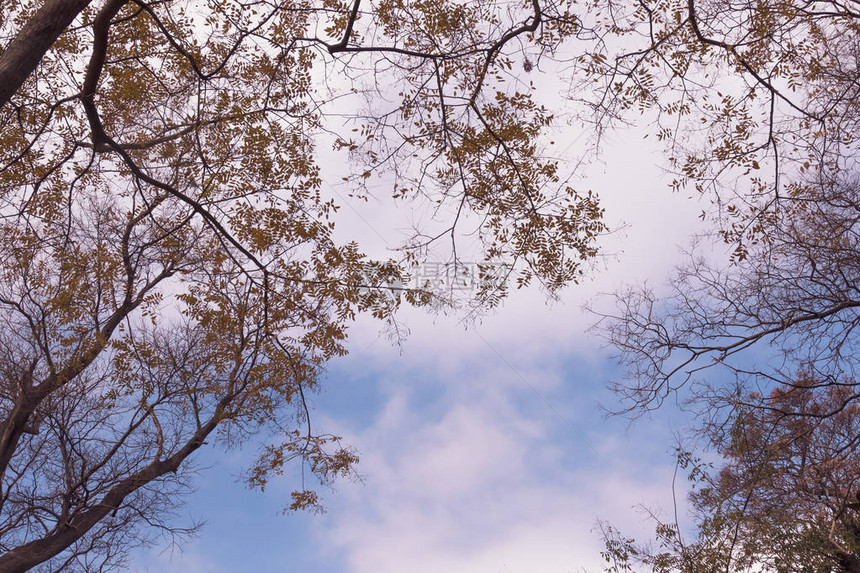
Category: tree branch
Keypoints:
(26, 50)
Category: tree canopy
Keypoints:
(785, 498)
(170, 273)
(757, 104)
(170, 269)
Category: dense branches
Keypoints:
(169, 275)
(785, 500)
(796, 292)
(757, 103)
(751, 98)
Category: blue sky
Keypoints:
(483, 449)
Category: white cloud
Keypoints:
(485, 485)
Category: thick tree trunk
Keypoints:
(24, 52)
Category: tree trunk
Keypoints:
(25, 51)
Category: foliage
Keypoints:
(170, 272)
(756, 101)
(785, 500)
(757, 105)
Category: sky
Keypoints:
(484, 449)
